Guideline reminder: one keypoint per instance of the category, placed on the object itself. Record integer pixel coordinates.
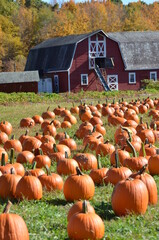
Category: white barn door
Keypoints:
(112, 81)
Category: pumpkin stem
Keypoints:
(12, 171)
(13, 137)
(47, 170)
(116, 159)
(132, 148)
(146, 141)
(78, 171)
(155, 127)
(26, 132)
(40, 151)
(84, 207)
(141, 120)
(66, 154)
(34, 165)
(85, 148)
(143, 149)
(142, 170)
(94, 129)
(3, 159)
(55, 148)
(122, 99)
(48, 108)
(99, 162)
(148, 127)
(7, 207)
(66, 135)
(12, 155)
(157, 151)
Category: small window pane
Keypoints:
(84, 79)
(132, 78)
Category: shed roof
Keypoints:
(18, 77)
(139, 50)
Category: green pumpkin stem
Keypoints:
(84, 207)
(117, 165)
(78, 171)
(128, 131)
(99, 162)
(12, 155)
(48, 170)
(132, 148)
(3, 159)
(143, 149)
(7, 207)
(40, 151)
(34, 165)
(55, 148)
(13, 137)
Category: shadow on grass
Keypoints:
(105, 211)
(57, 202)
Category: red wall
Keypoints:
(123, 76)
(19, 87)
(63, 80)
(80, 65)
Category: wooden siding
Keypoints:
(19, 87)
(63, 80)
(113, 51)
(80, 66)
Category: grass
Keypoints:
(47, 218)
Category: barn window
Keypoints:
(84, 79)
(153, 75)
(132, 78)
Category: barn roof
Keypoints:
(139, 50)
(18, 77)
(54, 54)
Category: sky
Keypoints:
(124, 1)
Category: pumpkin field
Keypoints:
(80, 166)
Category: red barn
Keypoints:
(96, 61)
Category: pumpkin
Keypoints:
(24, 136)
(149, 182)
(116, 173)
(47, 138)
(3, 137)
(66, 124)
(61, 135)
(12, 226)
(70, 118)
(8, 184)
(29, 187)
(38, 119)
(98, 174)
(42, 159)
(134, 163)
(86, 161)
(27, 122)
(77, 208)
(122, 154)
(6, 127)
(69, 142)
(35, 171)
(105, 149)
(153, 164)
(129, 196)
(50, 129)
(24, 157)
(66, 166)
(48, 114)
(91, 224)
(74, 109)
(31, 144)
(13, 143)
(78, 186)
(58, 110)
(51, 181)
